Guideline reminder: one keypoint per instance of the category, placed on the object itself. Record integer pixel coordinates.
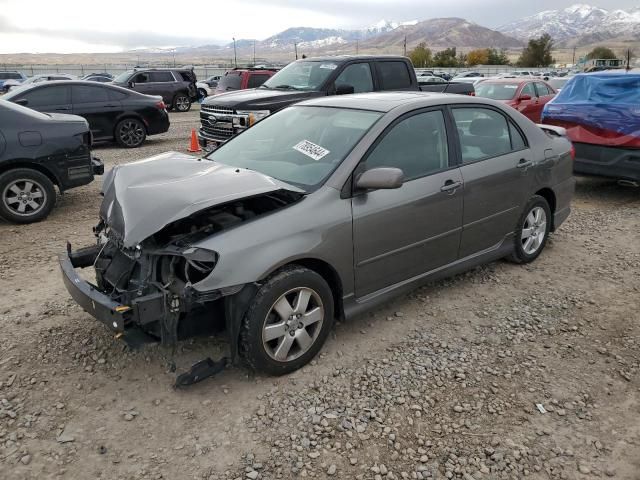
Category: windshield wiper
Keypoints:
(264, 86)
(286, 87)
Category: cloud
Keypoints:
(126, 40)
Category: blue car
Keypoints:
(16, 76)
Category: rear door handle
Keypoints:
(450, 186)
(524, 163)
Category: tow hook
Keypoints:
(199, 371)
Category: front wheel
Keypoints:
(181, 103)
(27, 195)
(532, 232)
(287, 322)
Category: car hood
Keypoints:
(259, 99)
(140, 198)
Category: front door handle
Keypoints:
(62, 109)
(524, 163)
(450, 186)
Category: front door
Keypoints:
(529, 108)
(403, 233)
(49, 98)
(496, 168)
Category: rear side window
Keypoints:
(255, 80)
(10, 76)
(417, 145)
(394, 75)
(88, 94)
(161, 77)
(483, 133)
(231, 81)
(51, 95)
(542, 89)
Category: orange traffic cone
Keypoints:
(195, 146)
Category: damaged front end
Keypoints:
(152, 286)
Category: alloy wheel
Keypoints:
(24, 197)
(293, 324)
(534, 230)
(182, 103)
(131, 133)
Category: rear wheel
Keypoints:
(181, 103)
(27, 195)
(287, 322)
(130, 133)
(533, 231)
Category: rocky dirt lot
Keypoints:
(442, 383)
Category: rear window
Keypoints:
(394, 75)
(496, 91)
(186, 75)
(231, 81)
(161, 77)
(10, 76)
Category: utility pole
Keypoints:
(628, 59)
(235, 54)
(405, 45)
(254, 53)
(574, 56)
(295, 48)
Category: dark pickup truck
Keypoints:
(223, 116)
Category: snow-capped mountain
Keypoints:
(577, 21)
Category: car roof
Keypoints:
(387, 101)
(31, 86)
(517, 80)
(345, 58)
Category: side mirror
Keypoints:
(524, 98)
(382, 178)
(132, 84)
(344, 89)
(22, 101)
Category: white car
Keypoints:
(46, 77)
(473, 80)
(207, 86)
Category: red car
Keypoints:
(528, 96)
(241, 78)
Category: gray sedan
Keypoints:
(319, 212)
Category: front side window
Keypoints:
(302, 75)
(394, 75)
(44, 96)
(497, 91)
(88, 94)
(529, 90)
(416, 145)
(358, 76)
(298, 145)
(141, 78)
(484, 133)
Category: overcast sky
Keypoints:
(114, 25)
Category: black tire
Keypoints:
(256, 352)
(14, 195)
(202, 93)
(522, 253)
(130, 133)
(181, 103)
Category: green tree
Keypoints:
(421, 56)
(601, 52)
(497, 57)
(446, 58)
(538, 52)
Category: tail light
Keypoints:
(161, 106)
(573, 152)
(472, 94)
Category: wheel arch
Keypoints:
(549, 195)
(24, 163)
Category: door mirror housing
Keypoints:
(132, 84)
(22, 101)
(524, 98)
(344, 89)
(383, 178)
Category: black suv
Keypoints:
(176, 85)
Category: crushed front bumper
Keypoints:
(113, 314)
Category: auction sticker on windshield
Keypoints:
(311, 150)
(329, 66)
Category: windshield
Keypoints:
(301, 146)
(230, 81)
(496, 91)
(123, 77)
(302, 75)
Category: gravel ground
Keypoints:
(441, 383)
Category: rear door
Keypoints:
(496, 170)
(163, 83)
(94, 103)
(403, 233)
(49, 98)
